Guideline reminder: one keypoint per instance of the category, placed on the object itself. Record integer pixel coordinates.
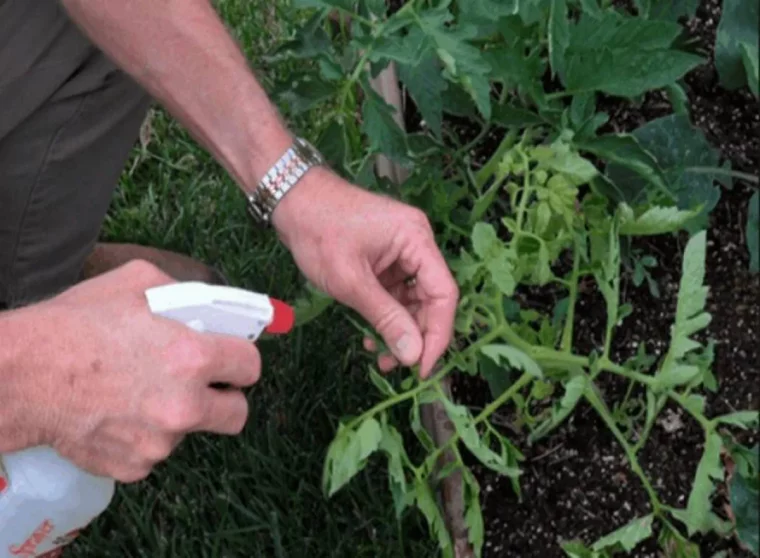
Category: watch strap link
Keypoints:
(283, 175)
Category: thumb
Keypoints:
(390, 319)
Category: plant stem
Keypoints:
(725, 172)
(487, 411)
(600, 407)
(704, 422)
(525, 194)
(422, 386)
(567, 332)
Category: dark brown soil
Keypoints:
(576, 482)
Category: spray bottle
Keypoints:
(46, 501)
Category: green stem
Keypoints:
(493, 163)
(649, 424)
(706, 423)
(600, 407)
(525, 194)
(487, 411)
(422, 386)
(567, 332)
(725, 172)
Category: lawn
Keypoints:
(257, 494)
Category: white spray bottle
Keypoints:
(45, 501)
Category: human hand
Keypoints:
(122, 387)
(360, 248)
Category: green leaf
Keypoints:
(573, 393)
(624, 56)
(672, 10)
(385, 135)
(678, 99)
(681, 151)
(752, 232)
(628, 536)
(626, 152)
(393, 446)
(744, 495)
(381, 383)
(463, 60)
(742, 419)
(692, 297)
(654, 221)
(502, 273)
(738, 25)
(562, 158)
(514, 356)
(304, 92)
(559, 36)
(750, 60)
(473, 515)
(344, 4)
(489, 9)
(426, 85)
(348, 453)
(592, 9)
(511, 116)
(332, 144)
(499, 378)
(582, 109)
(710, 468)
(485, 241)
(675, 546)
(576, 549)
(427, 505)
(310, 305)
(502, 462)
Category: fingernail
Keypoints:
(404, 347)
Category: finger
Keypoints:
(369, 344)
(387, 362)
(389, 318)
(226, 412)
(439, 294)
(233, 361)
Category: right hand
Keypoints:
(123, 386)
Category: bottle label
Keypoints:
(43, 542)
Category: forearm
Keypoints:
(21, 409)
(181, 53)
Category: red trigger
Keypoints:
(283, 319)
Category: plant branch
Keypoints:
(567, 332)
(725, 172)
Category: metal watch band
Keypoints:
(283, 175)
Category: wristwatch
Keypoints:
(284, 174)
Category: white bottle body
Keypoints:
(45, 501)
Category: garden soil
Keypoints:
(577, 482)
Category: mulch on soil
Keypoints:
(577, 482)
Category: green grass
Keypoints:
(258, 494)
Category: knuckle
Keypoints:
(157, 449)
(188, 356)
(418, 217)
(144, 272)
(181, 416)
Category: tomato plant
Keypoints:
(506, 156)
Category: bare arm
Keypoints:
(181, 53)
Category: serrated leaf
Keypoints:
(499, 378)
(489, 9)
(624, 56)
(464, 423)
(385, 135)
(744, 495)
(473, 515)
(738, 25)
(348, 453)
(591, 8)
(332, 144)
(393, 446)
(681, 151)
(510, 116)
(502, 273)
(710, 468)
(485, 241)
(514, 356)
(428, 506)
(304, 92)
(463, 60)
(628, 536)
(742, 419)
(752, 232)
(675, 546)
(656, 220)
(573, 393)
(562, 158)
(625, 151)
(576, 549)
(559, 36)
(426, 86)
